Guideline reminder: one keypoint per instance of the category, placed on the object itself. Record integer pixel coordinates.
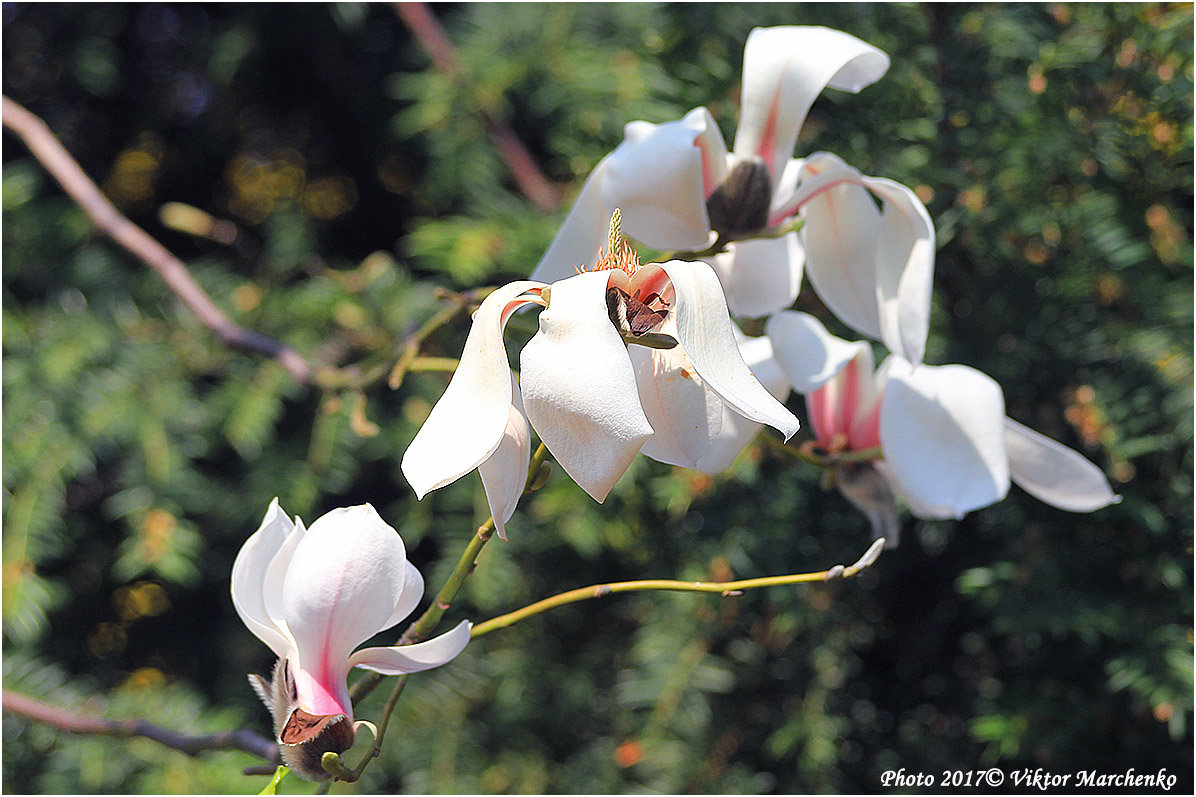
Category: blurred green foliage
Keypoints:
(1053, 147)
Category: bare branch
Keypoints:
(532, 183)
(59, 163)
(241, 739)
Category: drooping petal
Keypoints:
(343, 585)
(943, 434)
(249, 582)
(706, 334)
(842, 234)
(413, 591)
(905, 268)
(402, 659)
(685, 416)
(470, 419)
(784, 70)
(761, 276)
(655, 177)
(579, 387)
(582, 234)
(504, 474)
(1054, 473)
(737, 431)
(808, 355)
(869, 491)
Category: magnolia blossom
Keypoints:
(677, 184)
(627, 358)
(947, 446)
(313, 595)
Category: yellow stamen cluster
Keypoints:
(618, 253)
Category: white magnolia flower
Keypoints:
(628, 358)
(313, 595)
(676, 183)
(947, 446)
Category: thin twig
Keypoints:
(725, 588)
(59, 163)
(531, 181)
(241, 739)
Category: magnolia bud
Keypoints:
(739, 206)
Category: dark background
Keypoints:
(1053, 147)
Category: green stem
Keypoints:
(725, 588)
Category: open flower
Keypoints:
(947, 446)
(627, 358)
(313, 595)
(676, 184)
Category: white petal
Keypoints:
(470, 420)
(685, 416)
(706, 334)
(342, 586)
(504, 474)
(920, 509)
(737, 431)
(905, 268)
(807, 354)
(249, 583)
(655, 178)
(1054, 473)
(276, 574)
(582, 234)
(784, 70)
(761, 276)
(413, 591)
(579, 387)
(943, 435)
(842, 234)
(403, 659)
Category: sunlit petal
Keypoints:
(736, 431)
(342, 586)
(842, 233)
(685, 416)
(471, 418)
(249, 583)
(403, 659)
(1054, 473)
(905, 268)
(504, 474)
(579, 388)
(708, 337)
(413, 591)
(808, 355)
(943, 434)
(581, 235)
(761, 276)
(784, 70)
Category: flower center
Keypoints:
(739, 207)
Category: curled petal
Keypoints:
(904, 268)
(402, 659)
(579, 388)
(1054, 473)
(736, 431)
(706, 334)
(504, 474)
(342, 587)
(470, 420)
(808, 355)
(784, 70)
(685, 416)
(413, 590)
(761, 276)
(943, 434)
(249, 581)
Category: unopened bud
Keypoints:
(739, 206)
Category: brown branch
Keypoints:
(531, 181)
(59, 163)
(241, 739)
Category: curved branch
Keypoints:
(241, 739)
(49, 151)
(725, 588)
